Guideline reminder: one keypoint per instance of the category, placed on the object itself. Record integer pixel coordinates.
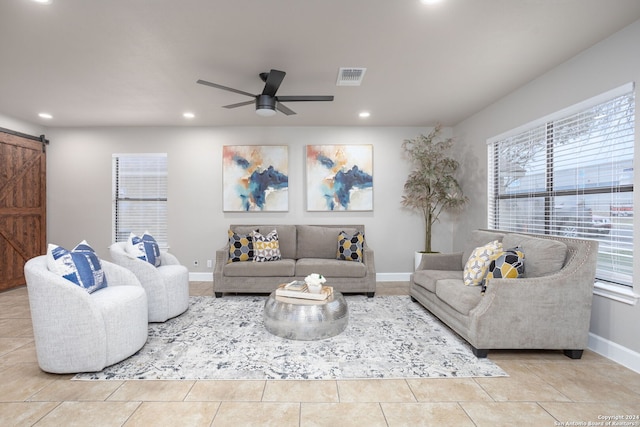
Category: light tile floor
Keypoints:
(543, 389)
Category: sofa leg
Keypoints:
(218, 294)
(370, 294)
(479, 353)
(413, 299)
(573, 354)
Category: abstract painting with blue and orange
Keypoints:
(255, 178)
(339, 177)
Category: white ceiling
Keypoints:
(136, 62)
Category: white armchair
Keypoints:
(76, 331)
(167, 286)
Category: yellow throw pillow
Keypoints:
(266, 248)
(476, 267)
(240, 247)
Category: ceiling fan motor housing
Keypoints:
(266, 102)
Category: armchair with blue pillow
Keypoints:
(162, 276)
(87, 313)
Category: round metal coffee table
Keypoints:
(306, 320)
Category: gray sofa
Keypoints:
(305, 249)
(548, 308)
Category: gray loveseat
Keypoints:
(548, 308)
(305, 249)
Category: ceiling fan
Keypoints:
(267, 102)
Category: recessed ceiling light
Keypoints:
(43, 1)
(364, 114)
(188, 115)
(430, 1)
(45, 116)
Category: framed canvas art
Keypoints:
(255, 178)
(339, 177)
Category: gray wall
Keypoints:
(15, 125)
(79, 188)
(609, 64)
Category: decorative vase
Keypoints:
(417, 259)
(314, 288)
(314, 283)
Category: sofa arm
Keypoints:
(222, 258)
(168, 259)
(368, 259)
(437, 261)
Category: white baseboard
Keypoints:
(615, 352)
(201, 277)
(392, 277)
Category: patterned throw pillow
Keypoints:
(266, 248)
(145, 248)
(350, 246)
(240, 247)
(80, 265)
(476, 267)
(508, 264)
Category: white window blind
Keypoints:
(571, 174)
(140, 196)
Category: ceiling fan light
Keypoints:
(265, 112)
(265, 106)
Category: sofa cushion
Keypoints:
(544, 256)
(479, 238)
(427, 278)
(266, 248)
(330, 268)
(80, 266)
(460, 297)
(319, 242)
(281, 268)
(350, 246)
(240, 247)
(145, 248)
(476, 267)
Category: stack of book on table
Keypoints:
(298, 289)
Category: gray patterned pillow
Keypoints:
(240, 247)
(266, 248)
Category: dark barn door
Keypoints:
(22, 205)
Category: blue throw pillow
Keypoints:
(80, 265)
(145, 248)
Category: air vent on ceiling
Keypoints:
(350, 76)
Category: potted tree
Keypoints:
(431, 187)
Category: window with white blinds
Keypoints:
(571, 174)
(140, 196)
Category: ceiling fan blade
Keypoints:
(239, 104)
(304, 98)
(274, 79)
(230, 89)
(285, 110)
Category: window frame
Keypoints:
(617, 291)
(157, 224)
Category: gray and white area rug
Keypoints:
(225, 338)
